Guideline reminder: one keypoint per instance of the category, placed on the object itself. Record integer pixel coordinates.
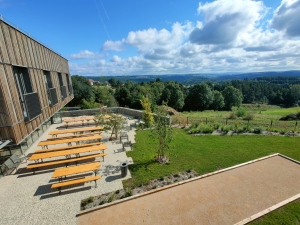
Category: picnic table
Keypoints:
(40, 156)
(75, 131)
(63, 172)
(79, 119)
(69, 140)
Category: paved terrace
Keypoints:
(28, 199)
(223, 198)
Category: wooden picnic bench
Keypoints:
(67, 153)
(74, 136)
(59, 185)
(35, 166)
(72, 170)
(79, 119)
(75, 131)
(67, 147)
(69, 140)
(63, 172)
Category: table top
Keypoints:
(76, 169)
(79, 119)
(75, 130)
(62, 141)
(52, 154)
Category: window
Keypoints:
(51, 91)
(69, 84)
(30, 102)
(63, 90)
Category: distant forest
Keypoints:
(207, 94)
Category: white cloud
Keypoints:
(115, 58)
(287, 18)
(85, 54)
(224, 20)
(228, 36)
(114, 45)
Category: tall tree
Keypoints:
(218, 102)
(232, 97)
(82, 90)
(173, 96)
(200, 97)
(295, 94)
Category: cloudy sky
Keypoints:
(141, 37)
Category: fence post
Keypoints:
(187, 121)
(226, 121)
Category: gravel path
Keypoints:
(222, 198)
(28, 199)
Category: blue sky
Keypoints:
(141, 37)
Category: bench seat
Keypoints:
(35, 166)
(75, 181)
(74, 136)
(68, 147)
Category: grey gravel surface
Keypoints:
(28, 199)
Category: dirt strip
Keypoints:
(223, 198)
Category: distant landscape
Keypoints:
(188, 79)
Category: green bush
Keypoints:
(258, 130)
(249, 116)
(207, 129)
(232, 116)
(241, 112)
(196, 124)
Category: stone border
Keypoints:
(180, 183)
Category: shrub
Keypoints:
(207, 130)
(232, 116)
(249, 116)
(90, 199)
(241, 112)
(111, 198)
(282, 132)
(217, 126)
(258, 130)
(227, 128)
(196, 124)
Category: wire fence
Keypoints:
(275, 125)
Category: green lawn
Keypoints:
(204, 154)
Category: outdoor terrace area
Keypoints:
(26, 194)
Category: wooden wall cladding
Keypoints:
(18, 49)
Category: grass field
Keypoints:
(264, 116)
(206, 154)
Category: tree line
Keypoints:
(197, 97)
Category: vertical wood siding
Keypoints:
(17, 49)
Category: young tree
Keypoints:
(148, 115)
(110, 121)
(162, 134)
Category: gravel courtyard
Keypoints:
(28, 199)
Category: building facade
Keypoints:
(35, 83)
